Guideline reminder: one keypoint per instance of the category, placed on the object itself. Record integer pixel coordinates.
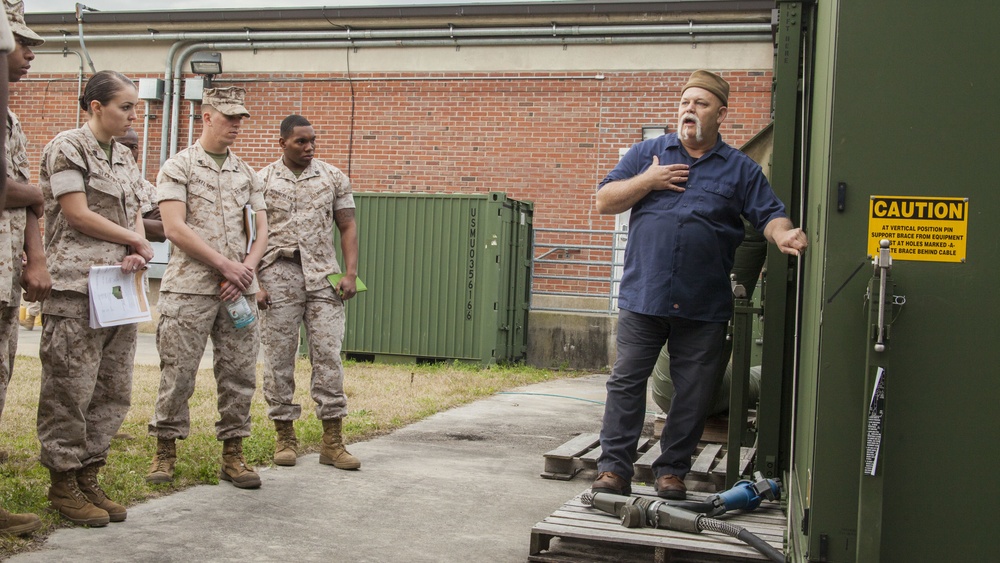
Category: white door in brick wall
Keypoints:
(618, 252)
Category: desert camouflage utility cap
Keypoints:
(15, 15)
(228, 101)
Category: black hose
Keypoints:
(743, 535)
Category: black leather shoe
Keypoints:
(612, 483)
(670, 487)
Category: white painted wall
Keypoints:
(150, 57)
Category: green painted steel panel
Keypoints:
(447, 275)
(777, 358)
(901, 106)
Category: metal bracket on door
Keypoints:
(883, 266)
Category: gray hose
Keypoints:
(743, 535)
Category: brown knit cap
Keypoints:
(711, 82)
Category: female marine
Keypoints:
(90, 185)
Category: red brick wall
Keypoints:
(533, 135)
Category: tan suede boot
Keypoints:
(235, 468)
(68, 500)
(18, 524)
(286, 445)
(162, 469)
(333, 451)
(86, 478)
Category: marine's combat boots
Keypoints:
(86, 478)
(286, 446)
(235, 468)
(333, 451)
(18, 524)
(162, 469)
(67, 499)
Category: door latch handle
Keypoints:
(882, 262)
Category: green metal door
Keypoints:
(901, 111)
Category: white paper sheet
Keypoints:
(117, 298)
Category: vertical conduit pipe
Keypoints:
(145, 138)
(190, 123)
(167, 97)
(83, 46)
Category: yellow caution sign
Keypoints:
(929, 229)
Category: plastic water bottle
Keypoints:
(240, 312)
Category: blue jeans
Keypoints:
(696, 350)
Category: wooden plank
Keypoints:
(563, 463)
(771, 530)
(746, 457)
(589, 459)
(567, 550)
(762, 518)
(539, 542)
(716, 544)
(716, 430)
(703, 463)
(658, 423)
(560, 472)
(575, 447)
(644, 466)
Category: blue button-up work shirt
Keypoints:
(681, 245)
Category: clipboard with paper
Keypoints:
(117, 298)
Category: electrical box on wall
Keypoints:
(151, 89)
(194, 88)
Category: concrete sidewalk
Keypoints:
(462, 485)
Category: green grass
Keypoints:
(381, 398)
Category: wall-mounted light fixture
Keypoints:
(653, 131)
(207, 64)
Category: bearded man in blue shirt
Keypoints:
(686, 192)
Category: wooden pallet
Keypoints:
(564, 462)
(581, 452)
(708, 469)
(574, 522)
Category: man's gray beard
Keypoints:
(699, 135)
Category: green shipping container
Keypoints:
(448, 278)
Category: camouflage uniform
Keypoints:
(12, 222)
(146, 193)
(189, 304)
(86, 373)
(299, 256)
